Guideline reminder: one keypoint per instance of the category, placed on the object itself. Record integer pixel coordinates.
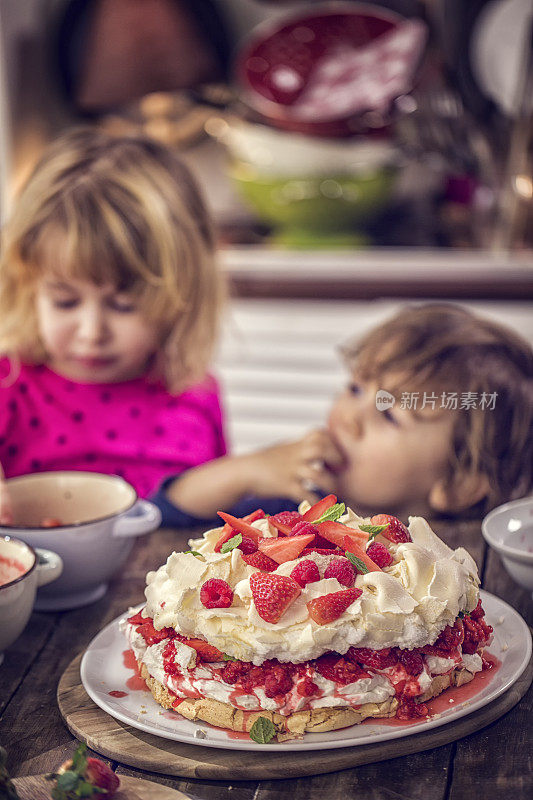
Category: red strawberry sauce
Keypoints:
(135, 682)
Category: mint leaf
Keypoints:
(67, 780)
(372, 530)
(461, 614)
(79, 759)
(86, 789)
(262, 731)
(229, 658)
(232, 543)
(358, 564)
(193, 553)
(331, 514)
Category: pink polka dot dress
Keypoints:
(134, 429)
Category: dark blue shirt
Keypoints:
(175, 517)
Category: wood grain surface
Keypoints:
(126, 744)
(36, 787)
(494, 762)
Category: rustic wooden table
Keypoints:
(493, 763)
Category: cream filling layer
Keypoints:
(201, 681)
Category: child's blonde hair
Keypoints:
(124, 211)
(438, 348)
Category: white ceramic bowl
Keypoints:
(22, 570)
(100, 516)
(508, 529)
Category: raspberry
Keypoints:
(272, 594)
(396, 531)
(284, 522)
(413, 662)
(260, 561)
(302, 528)
(216, 593)
(305, 572)
(379, 555)
(277, 681)
(287, 517)
(341, 569)
(306, 687)
(247, 546)
(477, 634)
(235, 670)
(449, 639)
(336, 668)
(376, 659)
(329, 607)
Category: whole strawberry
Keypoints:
(83, 776)
(272, 594)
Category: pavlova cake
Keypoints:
(309, 621)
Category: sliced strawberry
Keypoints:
(225, 537)
(273, 594)
(285, 548)
(330, 607)
(396, 532)
(240, 526)
(206, 651)
(260, 561)
(359, 552)
(316, 511)
(137, 619)
(284, 521)
(336, 532)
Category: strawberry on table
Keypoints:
(273, 594)
(330, 607)
(83, 776)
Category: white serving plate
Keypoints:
(102, 671)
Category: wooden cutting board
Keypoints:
(36, 787)
(121, 742)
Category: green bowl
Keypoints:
(332, 204)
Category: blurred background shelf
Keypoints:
(379, 272)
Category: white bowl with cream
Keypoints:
(22, 571)
(99, 515)
(508, 529)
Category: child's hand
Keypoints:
(6, 510)
(297, 470)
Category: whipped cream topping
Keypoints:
(406, 605)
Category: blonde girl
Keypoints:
(110, 301)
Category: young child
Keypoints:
(110, 300)
(456, 441)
